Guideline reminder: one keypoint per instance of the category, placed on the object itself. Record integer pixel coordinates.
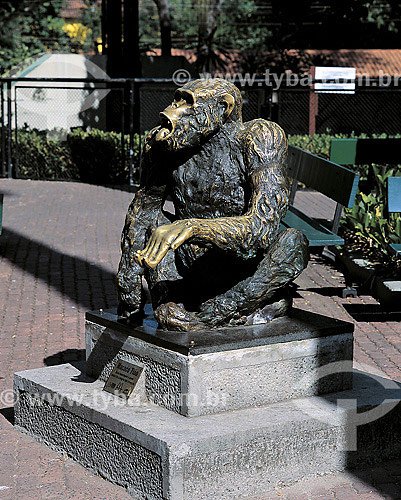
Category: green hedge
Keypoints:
(98, 156)
(91, 156)
(40, 157)
(320, 144)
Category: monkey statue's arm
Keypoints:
(142, 216)
(265, 152)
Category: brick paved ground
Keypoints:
(58, 255)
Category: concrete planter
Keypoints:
(386, 290)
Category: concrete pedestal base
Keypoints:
(158, 454)
(207, 372)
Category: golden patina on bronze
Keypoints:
(219, 259)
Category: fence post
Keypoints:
(124, 92)
(9, 132)
(16, 152)
(313, 105)
(131, 132)
(3, 136)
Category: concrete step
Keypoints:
(158, 454)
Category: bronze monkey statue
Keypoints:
(220, 260)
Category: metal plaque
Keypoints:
(123, 379)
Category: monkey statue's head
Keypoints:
(200, 108)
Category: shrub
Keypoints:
(91, 156)
(368, 228)
(319, 144)
(42, 157)
(98, 156)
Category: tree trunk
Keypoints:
(163, 8)
(207, 28)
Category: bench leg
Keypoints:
(327, 252)
(349, 291)
(350, 288)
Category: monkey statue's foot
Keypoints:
(229, 312)
(270, 311)
(172, 316)
(215, 313)
(133, 315)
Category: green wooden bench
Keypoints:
(1, 212)
(365, 151)
(336, 182)
(394, 205)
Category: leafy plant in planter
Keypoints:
(368, 227)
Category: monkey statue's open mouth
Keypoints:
(166, 128)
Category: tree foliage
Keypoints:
(29, 28)
(91, 20)
(262, 31)
(260, 27)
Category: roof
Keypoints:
(368, 62)
(72, 9)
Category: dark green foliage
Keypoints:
(90, 156)
(31, 28)
(320, 144)
(367, 228)
(98, 156)
(42, 157)
(91, 18)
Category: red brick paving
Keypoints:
(58, 255)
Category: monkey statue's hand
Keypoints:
(162, 239)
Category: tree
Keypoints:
(91, 20)
(164, 11)
(31, 27)
(207, 58)
(264, 31)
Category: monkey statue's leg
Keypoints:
(142, 217)
(264, 291)
(167, 291)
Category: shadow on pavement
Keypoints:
(8, 414)
(83, 282)
(371, 313)
(67, 356)
(8, 193)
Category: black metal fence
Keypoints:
(368, 110)
(52, 109)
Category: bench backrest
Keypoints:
(337, 182)
(394, 194)
(365, 151)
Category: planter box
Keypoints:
(385, 290)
